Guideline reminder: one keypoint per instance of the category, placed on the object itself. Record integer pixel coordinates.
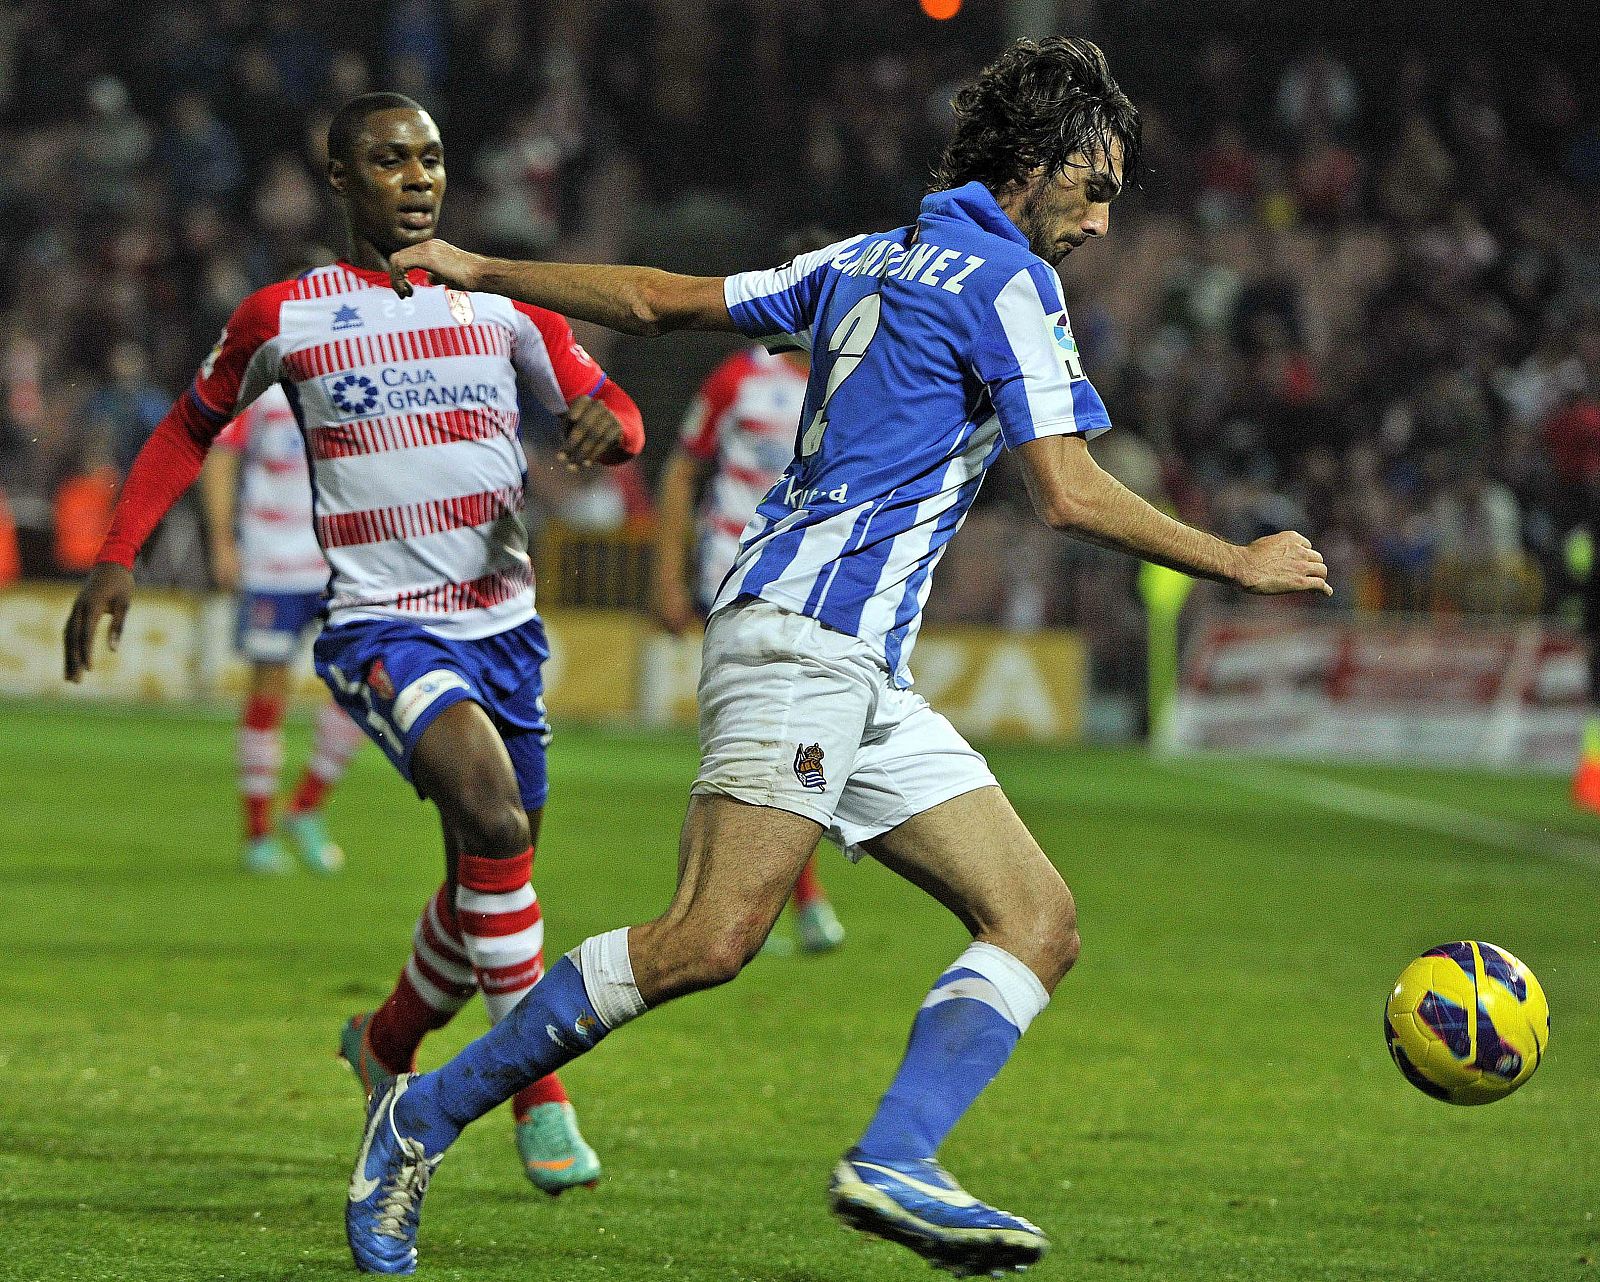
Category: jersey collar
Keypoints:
(973, 203)
(416, 275)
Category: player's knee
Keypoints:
(1058, 930)
(1044, 933)
(716, 956)
(491, 825)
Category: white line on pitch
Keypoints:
(1391, 808)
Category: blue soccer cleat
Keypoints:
(386, 1189)
(917, 1204)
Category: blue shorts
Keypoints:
(272, 623)
(394, 677)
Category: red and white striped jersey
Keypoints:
(744, 419)
(278, 550)
(409, 411)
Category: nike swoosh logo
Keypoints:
(556, 1165)
(361, 1188)
(950, 1197)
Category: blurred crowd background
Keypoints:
(1354, 291)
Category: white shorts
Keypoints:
(800, 717)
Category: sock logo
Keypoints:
(808, 767)
(587, 1025)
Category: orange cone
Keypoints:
(1586, 780)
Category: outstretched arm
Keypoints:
(634, 300)
(1072, 492)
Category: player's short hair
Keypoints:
(347, 121)
(1038, 104)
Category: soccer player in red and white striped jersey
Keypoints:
(408, 408)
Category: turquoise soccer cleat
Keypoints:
(264, 857)
(819, 926)
(391, 1176)
(318, 851)
(920, 1206)
(356, 1050)
(554, 1155)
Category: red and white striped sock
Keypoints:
(337, 738)
(436, 982)
(260, 759)
(504, 935)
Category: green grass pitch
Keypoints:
(1208, 1098)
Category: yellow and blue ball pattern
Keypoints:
(1467, 1023)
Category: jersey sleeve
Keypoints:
(777, 306)
(243, 363)
(549, 361)
(701, 430)
(1027, 359)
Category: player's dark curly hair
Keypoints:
(1039, 104)
(347, 121)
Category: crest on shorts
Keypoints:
(378, 680)
(460, 305)
(808, 766)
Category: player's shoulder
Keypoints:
(259, 315)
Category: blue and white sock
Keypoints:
(962, 1036)
(567, 1013)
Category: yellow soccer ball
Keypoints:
(1467, 1023)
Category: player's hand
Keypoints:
(440, 259)
(592, 432)
(108, 591)
(1282, 563)
(225, 565)
(672, 606)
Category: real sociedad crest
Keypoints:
(460, 305)
(808, 767)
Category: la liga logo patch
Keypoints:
(1066, 346)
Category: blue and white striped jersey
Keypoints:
(931, 346)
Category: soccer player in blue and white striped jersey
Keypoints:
(933, 346)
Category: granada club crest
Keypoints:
(378, 680)
(808, 767)
(460, 305)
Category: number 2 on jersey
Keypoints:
(847, 345)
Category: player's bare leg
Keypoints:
(976, 857)
(462, 765)
(737, 865)
(260, 752)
